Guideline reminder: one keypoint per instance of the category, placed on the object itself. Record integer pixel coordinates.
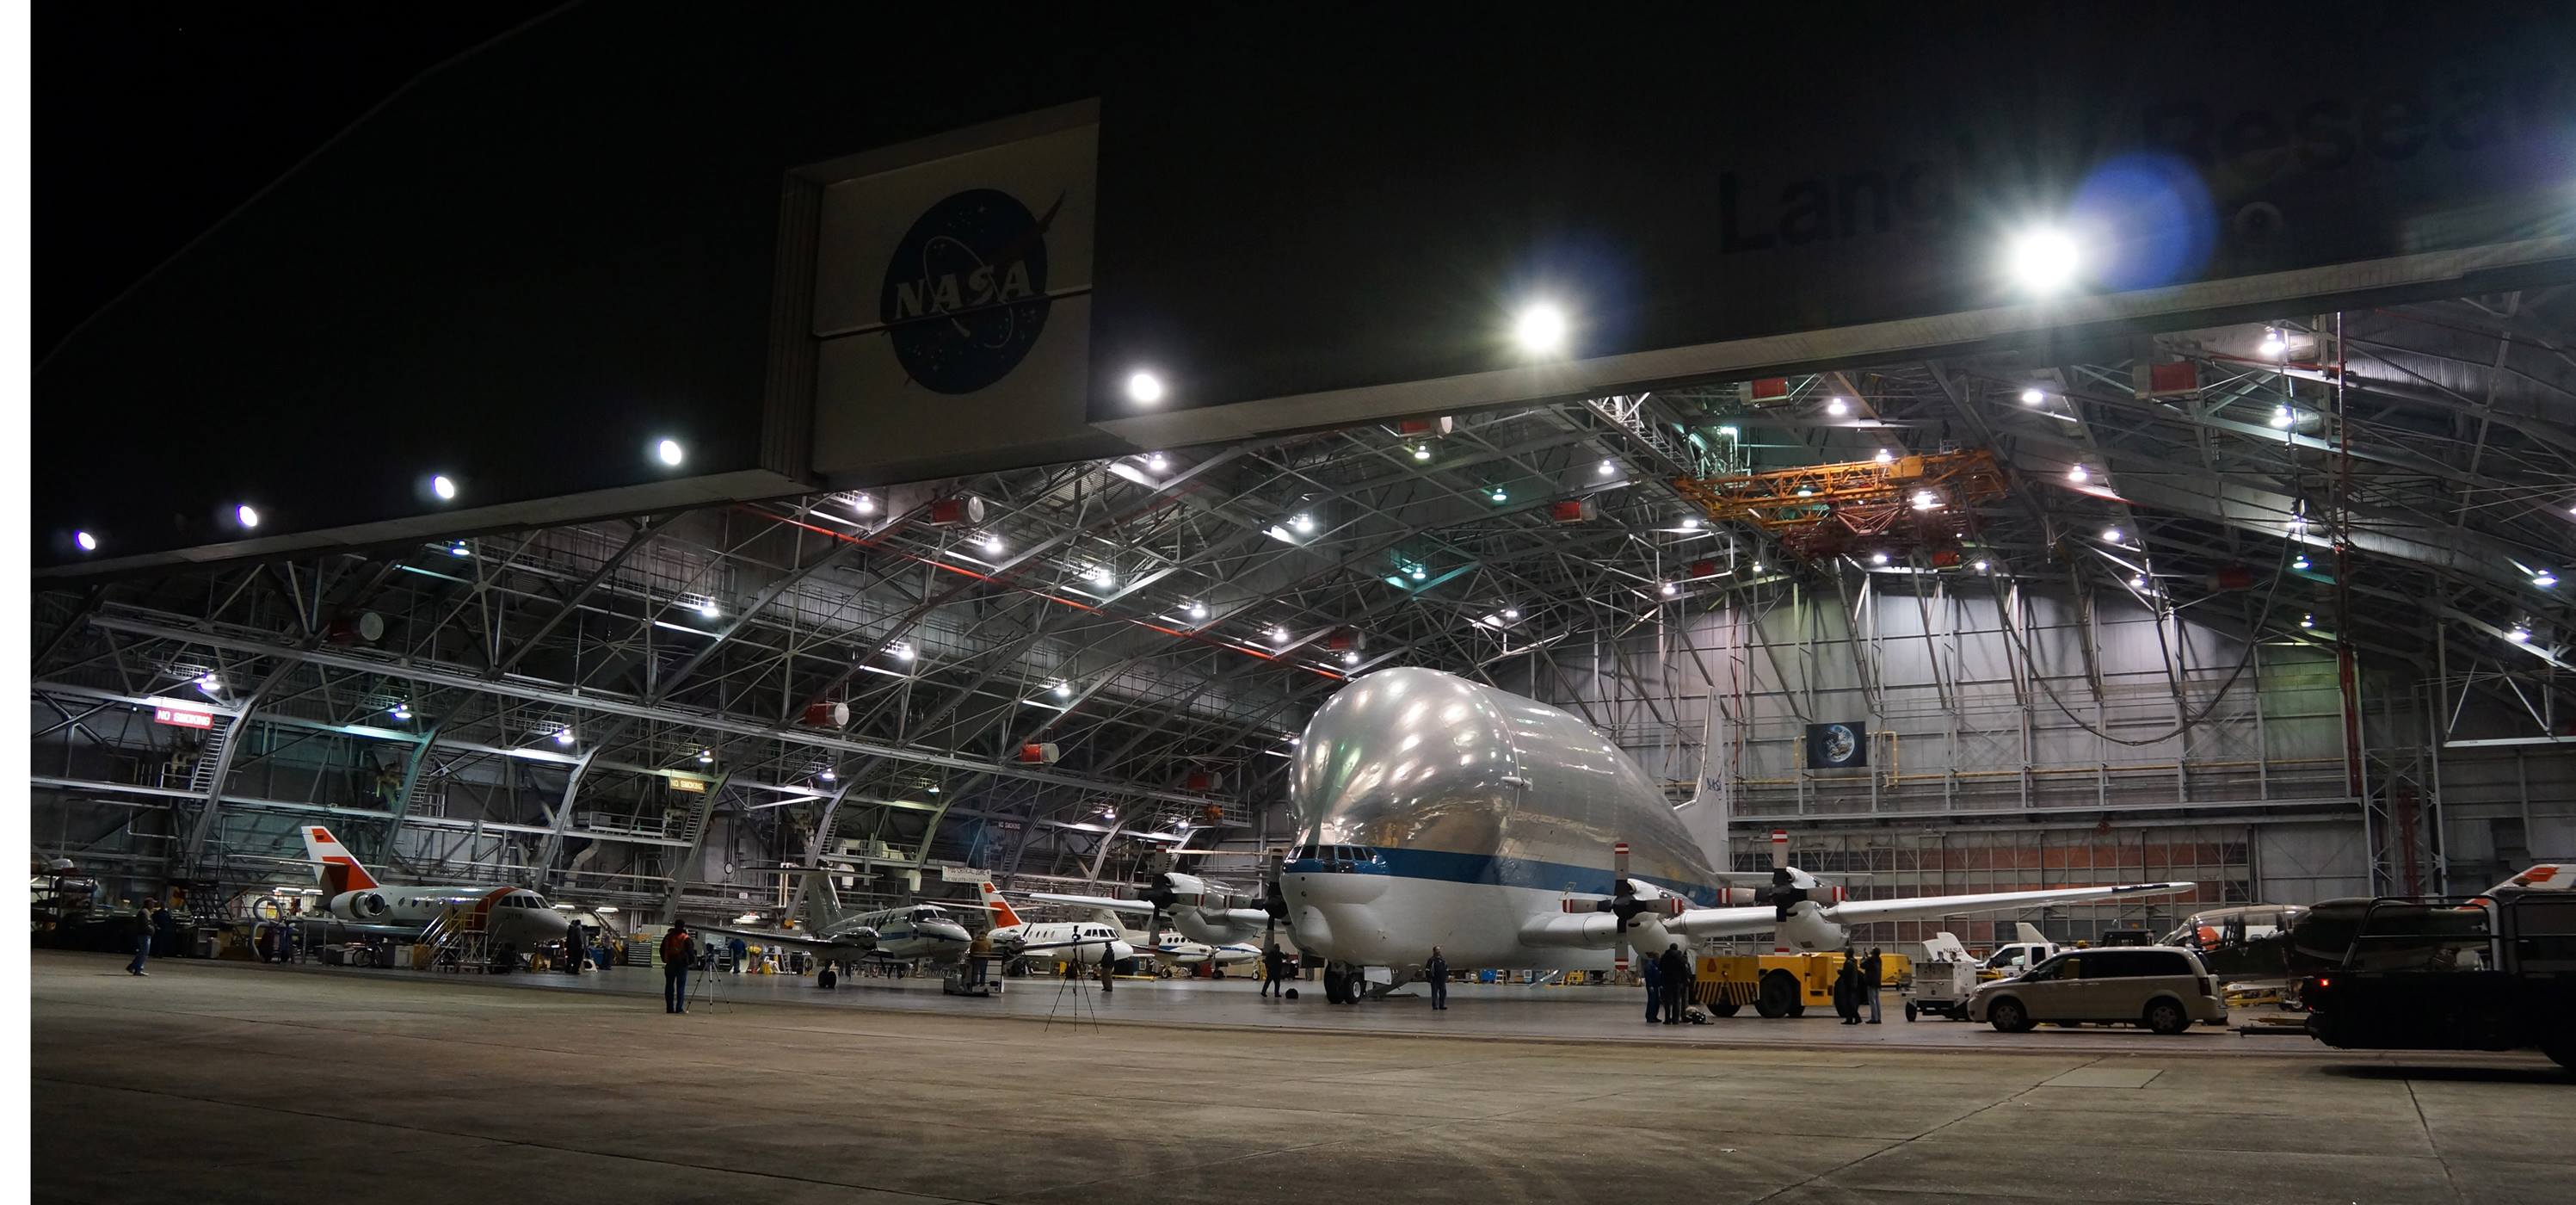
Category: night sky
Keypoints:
(152, 121)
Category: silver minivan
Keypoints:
(2164, 988)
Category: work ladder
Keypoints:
(459, 941)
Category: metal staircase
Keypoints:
(458, 941)
(210, 756)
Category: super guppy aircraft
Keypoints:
(1437, 811)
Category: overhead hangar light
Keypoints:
(1838, 406)
(1158, 462)
(670, 452)
(991, 542)
(709, 608)
(2544, 579)
(87, 542)
(563, 735)
(2111, 535)
(1198, 610)
(1608, 468)
(1690, 523)
(2273, 342)
(2521, 634)
(2032, 397)
(1144, 388)
(459, 548)
(1303, 523)
(1670, 589)
(1351, 658)
(1063, 689)
(1981, 566)
(2042, 261)
(706, 757)
(1540, 329)
(1511, 612)
(444, 487)
(1885, 457)
(1926, 500)
(865, 505)
(1422, 451)
(902, 652)
(1499, 496)
(2078, 475)
(246, 515)
(1878, 558)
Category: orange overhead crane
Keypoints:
(1816, 508)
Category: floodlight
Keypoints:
(2042, 261)
(1144, 388)
(669, 452)
(87, 542)
(246, 515)
(2032, 397)
(443, 487)
(1540, 329)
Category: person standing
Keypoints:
(1437, 971)
(1654, 973)
(1108, 966)
(1869, 982)
(1274, 971)
(143, 926)
(739, 950)
(1847, 989)
(1674, 967)
(679, 949)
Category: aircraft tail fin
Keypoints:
(334, 867)
(1004, 916)
(2548, 876)
(2029, 932)
(822, 909)
(1706, 815)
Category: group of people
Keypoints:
(1669, 980)
(1856, 986)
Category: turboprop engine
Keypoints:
(1214, 917)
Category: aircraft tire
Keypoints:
(1779, 996)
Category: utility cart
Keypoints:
(1942, 981)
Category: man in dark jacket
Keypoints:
(143, 927)
(679, 953)
(1675, 970)
(1274, 969)
(1653, 970)
(1437, 971)
(1847, 989)
(1869, 983)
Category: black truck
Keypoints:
(2490, 972)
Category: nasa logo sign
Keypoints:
(965, 292)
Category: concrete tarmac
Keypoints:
(220, 1082)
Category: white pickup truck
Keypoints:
(2014, 958)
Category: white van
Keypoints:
(2164, 988)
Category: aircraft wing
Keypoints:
(1139, 907)
(1741, 921)
(1862, 912)
(862, 938)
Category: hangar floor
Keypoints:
(1546, 1014)
(231, 1083)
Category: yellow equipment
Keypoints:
(1782, 985)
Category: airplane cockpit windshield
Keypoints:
(1335, 854)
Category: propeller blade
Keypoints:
(1779, 849)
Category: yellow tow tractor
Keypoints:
(1782, 985)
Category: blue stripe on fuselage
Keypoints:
(1446, 867)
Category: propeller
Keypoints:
(1628, 900)
(1791, 886)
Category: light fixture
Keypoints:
(1144, 388)
(1837, 406)
(1303, 523)
(2138, 581)
(246, 515)
(87, 542)
(2281, 418)
(1806, 492)
(1728, 431)
(443, 487)
(2521, 634)
(2299, 562)
(1607, 468)
(669, 452)
(563, 735)
(2273, 342)
(1422, 451)
(1690, 523)
(1671, 589)
(1100, 575)
(708, 608)
(1981, 566)
(934, 788)
(1063, 690)
(1878, 558)
(459, 549)
(1278, 635)
(1157, 462)
(1350, 658)
(866, 505)
(1498, 494)
(706, 757)
(1885, 457)
(211, 683)
(2032, 396)
(2111, 535)
(1757, 566)
(902, 652)
(400, 712)
(1540, 329)
(1108, 813)
(1198, 610)
(2078, 475)
(1418, 573)
(829, 774)
(2308, 620)
(2042, 261)
(992, 542)
(1511, 612)
(2544, 579)
(1926, 500)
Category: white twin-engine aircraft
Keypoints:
(902, 934)
(1085, 939)
(357, 901)
(1438, 812)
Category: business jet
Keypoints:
(356, 900)
(1437, 811)
(1010, 933)
(911, 933)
